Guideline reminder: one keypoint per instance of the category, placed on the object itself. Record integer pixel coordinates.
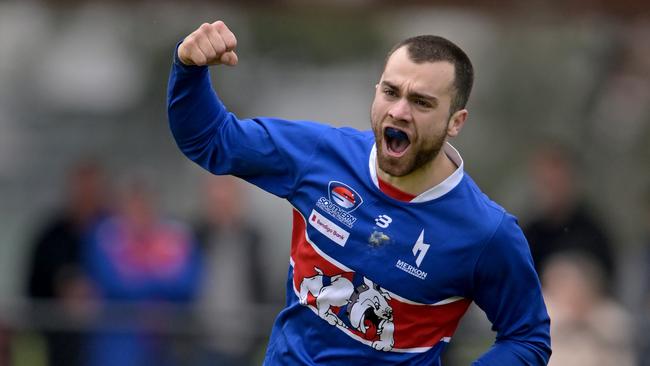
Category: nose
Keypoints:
(400, 110)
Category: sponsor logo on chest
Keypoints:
(419, 250)
(328, 228)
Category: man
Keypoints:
(565, 222)
(230, 244)
(141, 259)
(392, 241)
(56, 272)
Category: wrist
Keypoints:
(179, 62)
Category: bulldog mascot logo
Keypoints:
(369, 315)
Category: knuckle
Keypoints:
(200, 59)
(211, 53)
(220, 47)
(189, 42)
(203, 29)
(231, 41)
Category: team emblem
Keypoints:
(364, 310)
(344, 196)
(341, 200)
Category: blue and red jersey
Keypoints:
(372, 279)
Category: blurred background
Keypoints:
(558, 133)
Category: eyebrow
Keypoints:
(412, 94)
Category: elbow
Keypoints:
(533, 353)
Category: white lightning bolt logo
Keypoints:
(420, 249)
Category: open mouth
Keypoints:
(397, 141)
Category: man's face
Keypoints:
(410, 112)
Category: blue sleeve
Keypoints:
(507, 288)
(267, 152)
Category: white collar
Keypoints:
(436, 191)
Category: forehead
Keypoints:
(431, 77)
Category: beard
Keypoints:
(419, 154)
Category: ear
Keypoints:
(386, 294)
(456, 122)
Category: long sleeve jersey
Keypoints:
(372, 280)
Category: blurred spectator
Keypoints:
(234, 281)
(138, 258)
(564, 221)
(587, 327)
(5, 353)
(55, 272)
(644, 341)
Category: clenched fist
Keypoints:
(210, 44)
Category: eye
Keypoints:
(422, 103)
(389, 92)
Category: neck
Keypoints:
(423, 178)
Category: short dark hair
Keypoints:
(428, 48)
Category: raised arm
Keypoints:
(268, 152)
(196, 115)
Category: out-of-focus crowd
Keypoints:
(124, 285)
(576, 262)
(117, 283)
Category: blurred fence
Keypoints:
(182, 329)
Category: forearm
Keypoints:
(515, 353)
(195, 113)
(508, 290)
